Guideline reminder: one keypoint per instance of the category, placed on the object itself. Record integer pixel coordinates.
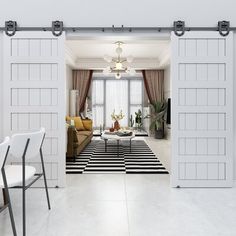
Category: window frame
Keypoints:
(104, 79)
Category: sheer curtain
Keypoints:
(98, 103)
(136, 96)
(116, 99)
(111, 94)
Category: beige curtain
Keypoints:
(154, 84)
(82, 81)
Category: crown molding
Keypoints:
(70, 57)
(165, 58)
(165, 61)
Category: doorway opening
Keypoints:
(127, 97)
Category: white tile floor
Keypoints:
(120, 205)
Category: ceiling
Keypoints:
(89, 53)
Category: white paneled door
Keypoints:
(202, 110)
(34, 95)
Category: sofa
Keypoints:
(79, 135)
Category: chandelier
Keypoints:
(118, 65)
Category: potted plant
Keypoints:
(138, 119)
(131, 121)
(158, 111)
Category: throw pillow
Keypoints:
(88, 124)
(78, 122)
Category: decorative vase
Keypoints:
(111, 129)
(116, 125)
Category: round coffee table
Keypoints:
(112, 136)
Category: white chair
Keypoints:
(4, 149)
(25, 146)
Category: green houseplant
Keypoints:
(138, 119)
(158, 111)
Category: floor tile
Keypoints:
(125, 205)
(93, 187)
(147, 187)
(172, 219)
(91, 218)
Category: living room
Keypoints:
(110, 81)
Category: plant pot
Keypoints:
(159, 133)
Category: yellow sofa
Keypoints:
(78, 136)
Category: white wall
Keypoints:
(167, 83)
(68, 87)
(167, 94)
(128, 13)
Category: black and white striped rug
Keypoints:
(94, 159)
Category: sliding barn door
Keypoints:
(202, 110)
(34, 95)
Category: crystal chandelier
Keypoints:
(119, 64)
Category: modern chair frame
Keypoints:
(6, 195)
(24, 187)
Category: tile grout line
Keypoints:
(126, 202)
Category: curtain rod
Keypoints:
(179, 28)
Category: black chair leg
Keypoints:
(23, 198)
(11, 214)
(4, 196)
(45, 180)
(7, 201)
(24, 210)
(24, 190)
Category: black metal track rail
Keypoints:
(223, 27)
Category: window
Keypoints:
(109, 94)
(98, 102)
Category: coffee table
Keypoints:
(106, 136)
